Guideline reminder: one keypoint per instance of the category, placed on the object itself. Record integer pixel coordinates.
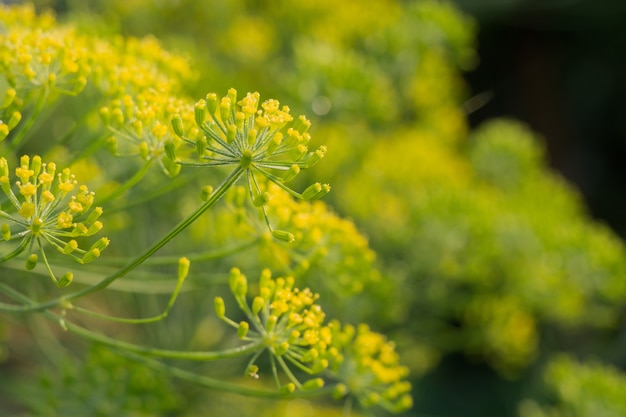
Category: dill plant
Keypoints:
(114, 111)
(474, 247)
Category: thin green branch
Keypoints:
(26, 125)
(221, 385)
(216, 196)
(144, 320)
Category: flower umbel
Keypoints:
(258, 138)
(48, 206)
(288, 324)
(140, 127)
(368, 368)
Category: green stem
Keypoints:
(162, 353)
(196, 257)
(217, 194)
(146, 350)
(218, 384)
(27, 124)
(153, 319)
(17, 250)
(347, 407)
(221, 385)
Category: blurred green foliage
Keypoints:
(577, 388)
(475, 246)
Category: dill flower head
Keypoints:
(367, 367)
(140, 127)
(261, 138)
(54, 59)
(46, 206)
(256, 138)
(286, 322)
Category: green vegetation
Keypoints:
(167, 251)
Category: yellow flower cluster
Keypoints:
(140, 126)
(323, 241)
(368, 368)
(37, 59)
(54, 59)
(41, 59)
(48, 206)
(258, 139)
(285, 321)
(131, 66)
(261, 137)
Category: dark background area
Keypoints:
(560, 66)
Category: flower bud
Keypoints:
(4, 131)
(287, 388)
(15, 118)
(5, 231)
(284, 236)
(9, 95)
(94, 228)
(231, 134)
(65, 280)
(265, 280)
(312, 384)
(315, 157)
(211, 102)
(35, 165)
(238, 283)
(31, 262)
(261, 199)
(90, 255)
(232, 95)
(137, 128)
(36, 225)
(183, 268)
(94, 215)
(281, 349)
(177, 125)
(291, 173)
(170, 150)
(274, 143)
(271, 323)
(70, 247)
(339, 391)
(144, 150)
(201, 145)
(172, 168)
(207, 190)
(257, 305)
(315, 191)
(199, 112)
(301, 124)
(101, 244)
(220, 308)
(225, 109)
(319, 366)
(242, 330)
(111, 145)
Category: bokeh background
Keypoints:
(477, 145)
(558, 65)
